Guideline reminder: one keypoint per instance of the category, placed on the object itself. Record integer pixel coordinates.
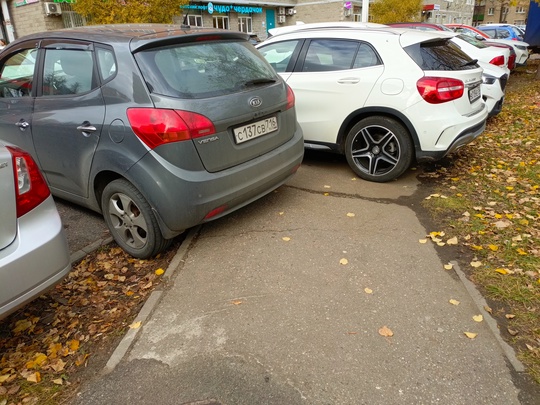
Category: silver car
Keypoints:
(34, 254)
(158, 127)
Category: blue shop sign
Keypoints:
(223, 8)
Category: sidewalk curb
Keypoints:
(481, 303)
(129, 338)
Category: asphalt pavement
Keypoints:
(319, 293)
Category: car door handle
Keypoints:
(349, 80)
(22, 124)
(86, 128)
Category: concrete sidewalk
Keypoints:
(263, 309)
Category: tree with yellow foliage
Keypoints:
(128, 11)
(391, 11)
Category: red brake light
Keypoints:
(30, 186)
(436, 90)
(512, 62)
(156, 126)
(497, 60)
(290, 98)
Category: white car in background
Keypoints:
(382, 96)
(478, 50)
(494, 80)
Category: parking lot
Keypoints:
(319, 293)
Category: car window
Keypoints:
(439, 54)
(203, 69)
(366, 57)
(106, 63)
(279, 54)
(68, 72)
(473, 41)
(329, 54)
(16, 74)
(503, 34)
(492, 32)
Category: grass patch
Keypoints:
(493, 205)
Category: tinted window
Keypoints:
(67, 71)
(491, 32)
(203, 69)
(329, 54)
(279, 54)
(17, 74)
(439, 55)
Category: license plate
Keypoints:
(474, 94)
(256, 129)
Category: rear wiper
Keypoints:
(470, 63)
(263, 80)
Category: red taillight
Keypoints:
(497, 60)
(512, 62)
(436, 90)
(30, 186)
(290, 98)
(156, 126)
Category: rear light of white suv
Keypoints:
(30, 186)
(436, 90)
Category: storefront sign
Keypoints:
(223, 8)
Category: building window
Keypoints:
(520, 10)
(194, 20)
(221, 21)
(244, 24)
(491, 11)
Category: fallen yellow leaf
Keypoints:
(236, 302)
(159, 272)
(510, 316)
(286, 238)
(386, 332)
(135, 325)
(326, 194)
(4, 377)
(34, 377)
(454, 302)
(350, 214)
(476, 264)
(74, 345)
(494, 248)
(344, 261)
(422, 240)
(58, 381)
(478, 318)
(326, 186)
(448, 266)
(501, 271)
(368, 290)
(281, 213)
(452, 241)
(470, 335)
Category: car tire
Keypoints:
(379, 149)
(131, 221)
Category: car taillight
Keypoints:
(436, 90)
(290, 98)
(497, 60)
(30, 186)
(512, 62)
(156, 126)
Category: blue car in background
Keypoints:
(502, 31)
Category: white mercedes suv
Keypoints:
(382, 96)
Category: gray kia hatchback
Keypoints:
(158, 127)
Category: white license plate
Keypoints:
(474, 94)
(256, 129)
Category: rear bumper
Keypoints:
(183, 198)
(465, 137)
(36, 261)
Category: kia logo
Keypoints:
(255, 102)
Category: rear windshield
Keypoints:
(439, 54)
(203, 69)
